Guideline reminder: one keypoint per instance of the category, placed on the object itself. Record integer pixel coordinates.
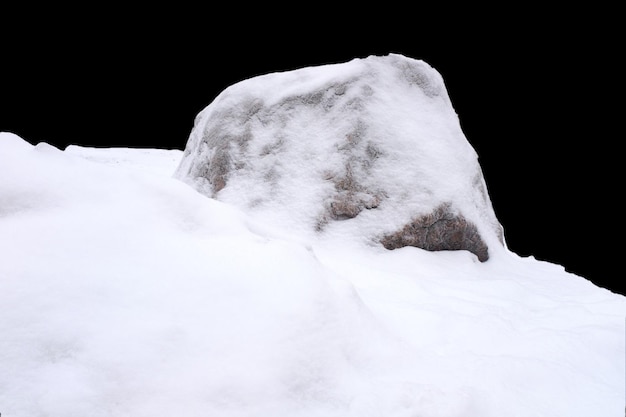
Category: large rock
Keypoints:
(369, 150)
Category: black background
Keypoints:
(537, 96)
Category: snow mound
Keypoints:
(124, 292)
(370, 150)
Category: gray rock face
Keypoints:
(370, 149)
(439, 230)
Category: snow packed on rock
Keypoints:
(374, 141)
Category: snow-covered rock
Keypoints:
(370, 149)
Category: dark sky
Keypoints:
(536, 99)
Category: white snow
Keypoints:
(126, 293)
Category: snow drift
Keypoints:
(370, 149)
(125, 292)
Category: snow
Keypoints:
(124, 292)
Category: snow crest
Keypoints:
(360, 149)
(125, 292)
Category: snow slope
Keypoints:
(126, 293)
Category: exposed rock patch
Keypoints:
(439, 230)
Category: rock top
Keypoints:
(370, 150)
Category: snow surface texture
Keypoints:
(124, 292)
(369, 150)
